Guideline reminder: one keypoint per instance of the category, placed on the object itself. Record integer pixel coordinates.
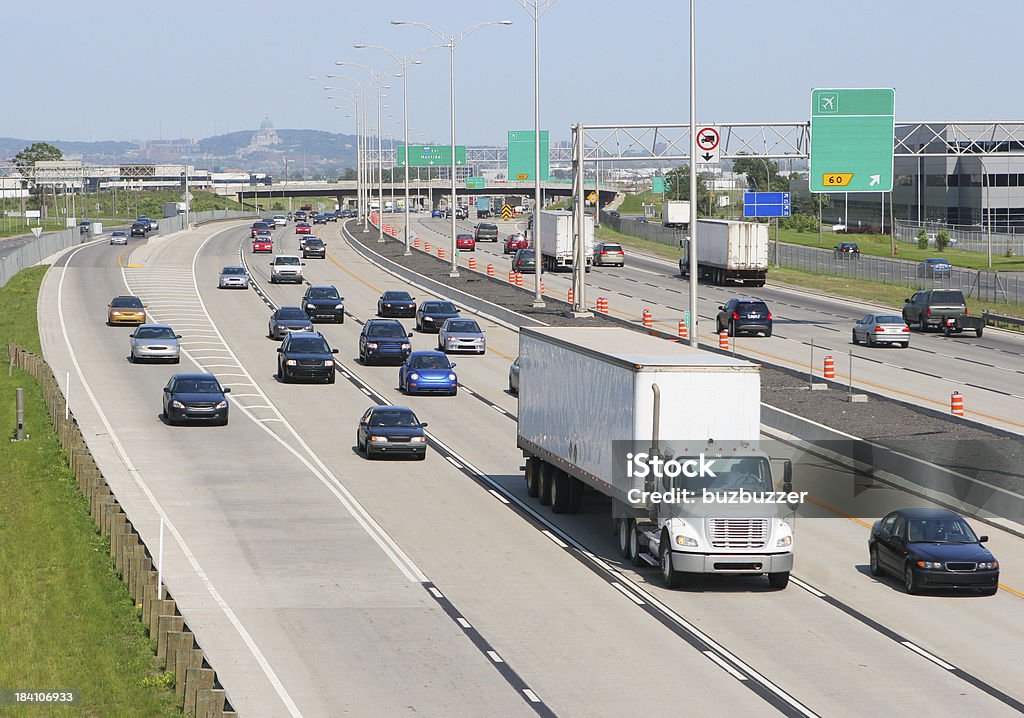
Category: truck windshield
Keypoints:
(749, 473)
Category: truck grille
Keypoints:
(737, 533)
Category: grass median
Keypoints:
(66, 619)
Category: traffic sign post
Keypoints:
(766, 204)
(708, 141)
(658, 185)
(431, 155)
(506, 211)
(852, 133)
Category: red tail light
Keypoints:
(928, 311)
(735, 315)
(879, 329)
(906, 330)
(965, 311)
(769, 316)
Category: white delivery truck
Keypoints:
(675, 213)
(729, 251)
(670, 433)
(556, 239)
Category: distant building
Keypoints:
(265, 140)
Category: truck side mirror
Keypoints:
(787, 475)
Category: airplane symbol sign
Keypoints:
(708, 141)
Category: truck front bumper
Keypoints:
(731, 563)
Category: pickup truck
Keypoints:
(944, 309)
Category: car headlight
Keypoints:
(686, 540)
(406, 346)
(387, 306)
(308, 328)
(116, 314)
(339, 306)
(418, 439)
(223, 404)
(933, 565)
(414, 376)
(177, 404)
(378, 438)
(328, 362)
(310, 306)
(988, 565)
(451, 377)
(290, 362)
(371, 345)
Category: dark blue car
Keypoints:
(432, 314)
(195, 397)
(437, 213)
(383, 339)
(932, 549)
(391, 430)
(428, 372)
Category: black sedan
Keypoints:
(305, 355)
(396, 304)
(324, 303)
(431, 315)
(195, 397)
(847, 250)
(314, 247)
(932, 549)
(288, 319)
(391, 430)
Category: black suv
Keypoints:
(927, 308)
(485, 232)
(139, 228)
(744, 315)
(305, 355)
(384, 339)
(314, 247)
(847, 250)
(324, 303)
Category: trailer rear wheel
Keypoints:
(533, 465)
(560, 498)
(546, 479)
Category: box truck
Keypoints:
(556, 240)
(729, 251)
(670, 434)
(675, 213)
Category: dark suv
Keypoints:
(384, 339)
(485, 232)
(314, 247)
(139, 229)
(323, 303)
(927, 308)
(744, 315)
(305, 355)
(847, 250)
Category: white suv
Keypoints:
(286, 268)
(280, 220)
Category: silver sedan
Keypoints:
(877, 329)
(461, 335)
(513, 377)
(119, 237)
(155, 342)
(233, 277)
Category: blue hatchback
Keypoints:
(428, 372)
(436, 213)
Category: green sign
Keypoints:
(852, 134)
(658, 185)
(522, 155)
(431, 155)
(475, 183)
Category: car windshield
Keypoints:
(888, 319)
(309, 346)
(385, 329)
(440, 307)
(314, 241)
(127, 302)
(465, 326)
(393, 417)
(397, 296)
(154, 333)
(951, 529)
(233, 270)
(947, 297)
(197, 386)
(118, 233)
(749, 473)
(291, 313)
(287, 260)
(429, 361)
(323, 293)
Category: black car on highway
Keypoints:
(932, 549)
(524, 261)
(741, 315)
(391, 430)
(139, 228)
(324, 303)
(847, 250)
(384, 339)
(305, 355)
(432, 314)
(396, 304)
(195, 397)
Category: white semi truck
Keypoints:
(675, 213)
(729, 251)
(670, 434)
(556, 240)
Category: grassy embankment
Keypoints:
(67, 619)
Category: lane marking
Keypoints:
(493, 655)
(622, 589)
(725, 666)
(558, 542)
(463, 622)
(498, 496)
(934, 659)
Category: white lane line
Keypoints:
(499, 409)
(725, 666)
(364, 390)
(463, 622)
(453, 462)
(622, 589)
(493, 655)
(134, 473)
(263, 421)
(558, 541)
(531, 696)
(499, 497)
(437, 593)
(255, 406)
(807, 587)
(934, 659)
(471, 393)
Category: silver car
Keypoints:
(119, 237)
(882, 329)
(288, 319)
(513, 377)
(233, 277)
(461, 335)
(156, 342)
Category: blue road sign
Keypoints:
(766, 204)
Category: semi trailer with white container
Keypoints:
(556, 247)
(670, 434)
(675, 213)
(729, 251)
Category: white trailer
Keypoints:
(607, 408)
(556, 240)
(729, 251)
(675, 213)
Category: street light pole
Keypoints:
(451, 41)
(692, 247)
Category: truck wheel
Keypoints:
(560, 492)
(546, 471)
(978, 331)
(778, 580)
(671, 577)
(575, 496)
(533, 477)
(636, 550)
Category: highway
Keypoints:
(320, 584)
(988, 372)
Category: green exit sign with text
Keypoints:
(852, 136)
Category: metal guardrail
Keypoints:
(995, 320)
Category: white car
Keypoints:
(280, 220)
(286, 268)
(119, 237)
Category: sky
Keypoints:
(129, 70)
